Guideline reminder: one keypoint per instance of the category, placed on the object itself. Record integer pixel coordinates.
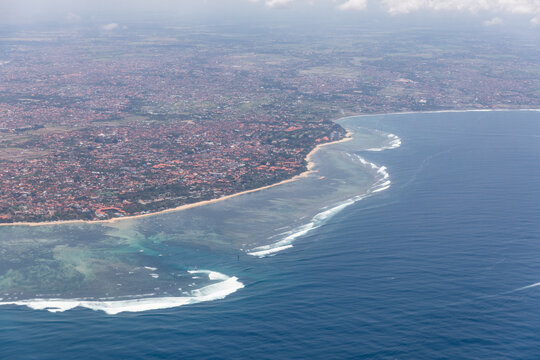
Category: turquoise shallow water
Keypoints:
(436, 266)
(168, 260)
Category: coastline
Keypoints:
(309, 170)
(436, 112)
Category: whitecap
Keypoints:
(270, 251)
(382, 183)
(381, 189)
(212, 275)
(226, 286)
(394, 142)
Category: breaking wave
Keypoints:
(381, 183)
(394, 142)
(219, 290)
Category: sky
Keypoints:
(112, 14)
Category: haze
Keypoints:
(110, 15)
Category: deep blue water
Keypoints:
(432, 268)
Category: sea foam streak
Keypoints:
(226, 286)
(382, 183)
(525, 287)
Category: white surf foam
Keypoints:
(438, 112)
(384, 186)
(317, 221)
(226, 286)
(382, 183)
(212, 275)
(269, 251)
(283, 244)
(394, 142)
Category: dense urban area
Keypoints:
(96, 124)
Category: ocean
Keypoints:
(417, 240)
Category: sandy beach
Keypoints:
(309, 170)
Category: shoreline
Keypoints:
(435, 112)
(309, 170)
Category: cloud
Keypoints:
(277, 3)
(511, 6)
(402, 7)
(353, 5)
(494, 21)
(110, 27)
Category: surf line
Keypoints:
(381, 183)
(224, 286)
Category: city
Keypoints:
(110, 124)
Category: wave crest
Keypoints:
(394, 142)
(226, 286)
(381, 183)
